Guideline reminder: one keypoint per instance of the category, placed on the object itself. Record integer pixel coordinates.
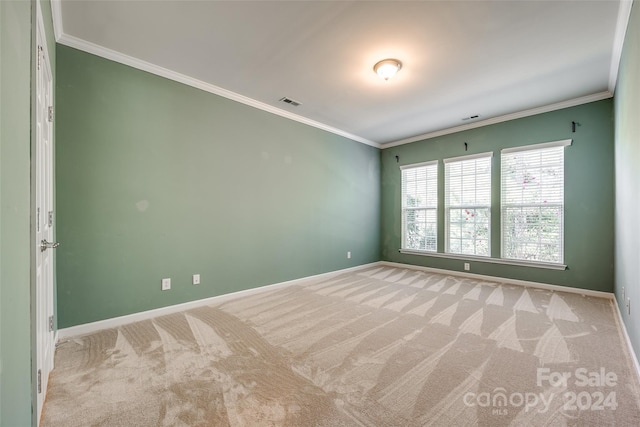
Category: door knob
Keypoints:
(44, 245)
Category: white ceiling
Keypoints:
(460, 58)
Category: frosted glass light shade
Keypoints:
(387, 68)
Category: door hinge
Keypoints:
(50, 114)
(39, 380)
(50, 218)
(39, 56)
(50, 323)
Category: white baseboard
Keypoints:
(144, 315)
(599, 294)
(622, 325)
(497, 279)
(88, 328)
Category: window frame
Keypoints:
(532, 147)
(404, 208)
(447, 206)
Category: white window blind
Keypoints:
(420, 206)
(468, 204)
(533, 202)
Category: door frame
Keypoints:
(41, 63)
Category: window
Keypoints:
(468, 204)
(533, 202)
(420, 206)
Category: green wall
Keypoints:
(256, 199)
(627, 161)
(157, 179)
(588, 197)
(15, 142)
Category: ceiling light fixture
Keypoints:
(387, 68)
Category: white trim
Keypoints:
(419, 165)
(469, 157)
(121, 58)
(505, 261)
(537, 285)
(71, 41)
(56, 15)
(45, 44)
(623, 326)
(624, 13)
(541, 146)
(144, 315)
(505, 118)
(479, 186)
(623, 19)
(558, 148)
(87, 328)
(429, 171)
(43, 81)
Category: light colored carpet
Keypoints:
(377, 347)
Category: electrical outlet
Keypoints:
(166, 284)
(467, 267)
(629, 306)
(349, 255)
(196, 279)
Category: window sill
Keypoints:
(546, 265)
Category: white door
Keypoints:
(44, 218)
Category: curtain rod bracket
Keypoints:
(573, 126)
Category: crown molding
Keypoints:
(624, 12)
(56, 15)
(130, 61)
(505, 118)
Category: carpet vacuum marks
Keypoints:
(377, 347)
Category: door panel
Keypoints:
(44, 215)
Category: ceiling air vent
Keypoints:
(290, 101)
(475, 116)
